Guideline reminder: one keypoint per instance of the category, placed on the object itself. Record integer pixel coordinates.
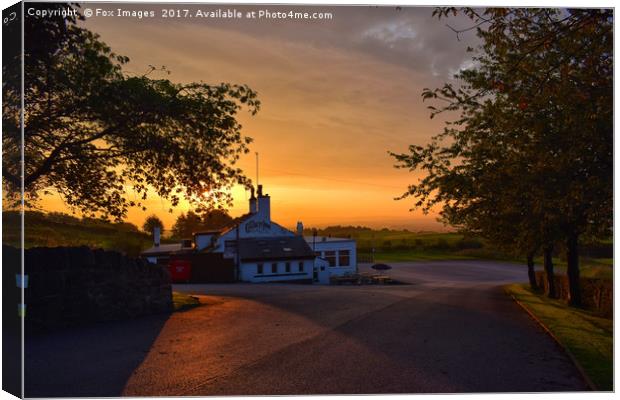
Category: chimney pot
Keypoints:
(156, 236)
(300, 228)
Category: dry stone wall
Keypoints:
(74, 285)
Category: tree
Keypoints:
(188, 224)
(151, 223)
(93, 133)
(528, 162)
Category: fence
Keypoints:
(596, 294)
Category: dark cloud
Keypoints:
(404, 36)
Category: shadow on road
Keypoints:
(455, 340)
(94, 360)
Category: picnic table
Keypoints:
(361, 278)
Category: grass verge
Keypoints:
(183, 301)
(588, 338)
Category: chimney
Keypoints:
(264, 207)
(300, 228)
(156, 236)
(253, 203)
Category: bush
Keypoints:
(596, 294)
(469, 243)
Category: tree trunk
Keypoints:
(572, 258)
(548, 253)
(531, 274)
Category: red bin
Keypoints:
(180, 270)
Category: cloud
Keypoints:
(336, 96)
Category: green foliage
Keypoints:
(188, 224)
(93, 133)
(183, 302)
(57, 229)
(528, 161)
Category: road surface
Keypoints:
(449, 330)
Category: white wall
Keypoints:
(323, 272)
(202, 241)
(337, 246)
(254, 226)
(248, 271)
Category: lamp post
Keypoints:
(314, 271)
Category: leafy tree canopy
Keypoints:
(188, 224)
(105, 140)
(528, 162)
(152, 222)
(533, 141)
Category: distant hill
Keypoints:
(59, 229)
(392, 239)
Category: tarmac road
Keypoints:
(451, 330)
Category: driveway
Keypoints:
(450, 330)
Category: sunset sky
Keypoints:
(336, 96)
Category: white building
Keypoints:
(278, 258)
(264, 251)
(339, 253)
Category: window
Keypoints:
(259, 269)
(230, 248)
(287, 267)
(301, 266)
(343, 258)
(318, 254)
(274, 268)
(330, 256)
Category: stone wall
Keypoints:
(596, 294)
(74, 285)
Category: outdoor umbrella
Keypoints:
(381, 267)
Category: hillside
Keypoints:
(58, 229)
(394, 245)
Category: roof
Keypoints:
(274, 248)
(213, 232)
(319, 239)
(162, 249)
(238, 221)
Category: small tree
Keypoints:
(151, 223)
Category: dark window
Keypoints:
(330, 255)
(317, 253)
(343, 258)
(287, 267)
(259, 268)
(274, 268)
(301, 266)
(230, 245)
(230, 248)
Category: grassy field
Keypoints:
(183, 301)
(402, 245)
(601, 268)
(55, 229)
(587, 337)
